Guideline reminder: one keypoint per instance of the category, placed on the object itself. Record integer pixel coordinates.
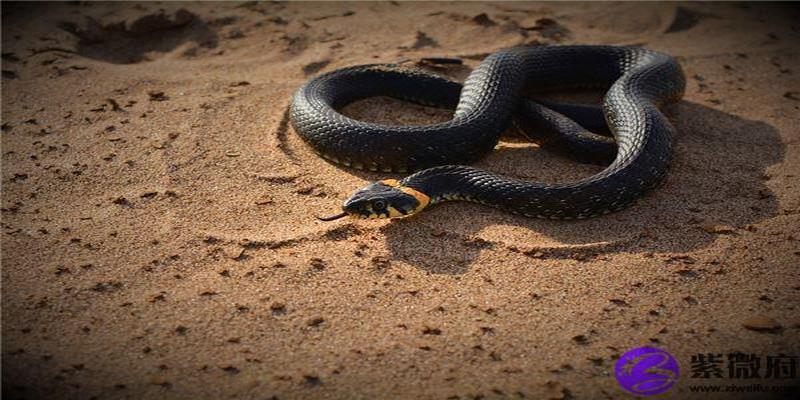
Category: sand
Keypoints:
(158, 231)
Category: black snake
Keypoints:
(638, 81)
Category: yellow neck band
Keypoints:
(422, 198)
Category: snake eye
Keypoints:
(378, 205)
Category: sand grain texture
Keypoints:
(158, 238)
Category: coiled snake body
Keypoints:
(638, 82)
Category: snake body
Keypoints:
(638, 82)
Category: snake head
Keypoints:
(383, 199)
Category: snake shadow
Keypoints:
(718, 181)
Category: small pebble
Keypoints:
(761, 323)
(718, 228)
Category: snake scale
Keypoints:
(638, 81)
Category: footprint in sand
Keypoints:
(143, 38)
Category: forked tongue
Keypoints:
(333, 217)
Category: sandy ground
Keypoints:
(158, 238)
